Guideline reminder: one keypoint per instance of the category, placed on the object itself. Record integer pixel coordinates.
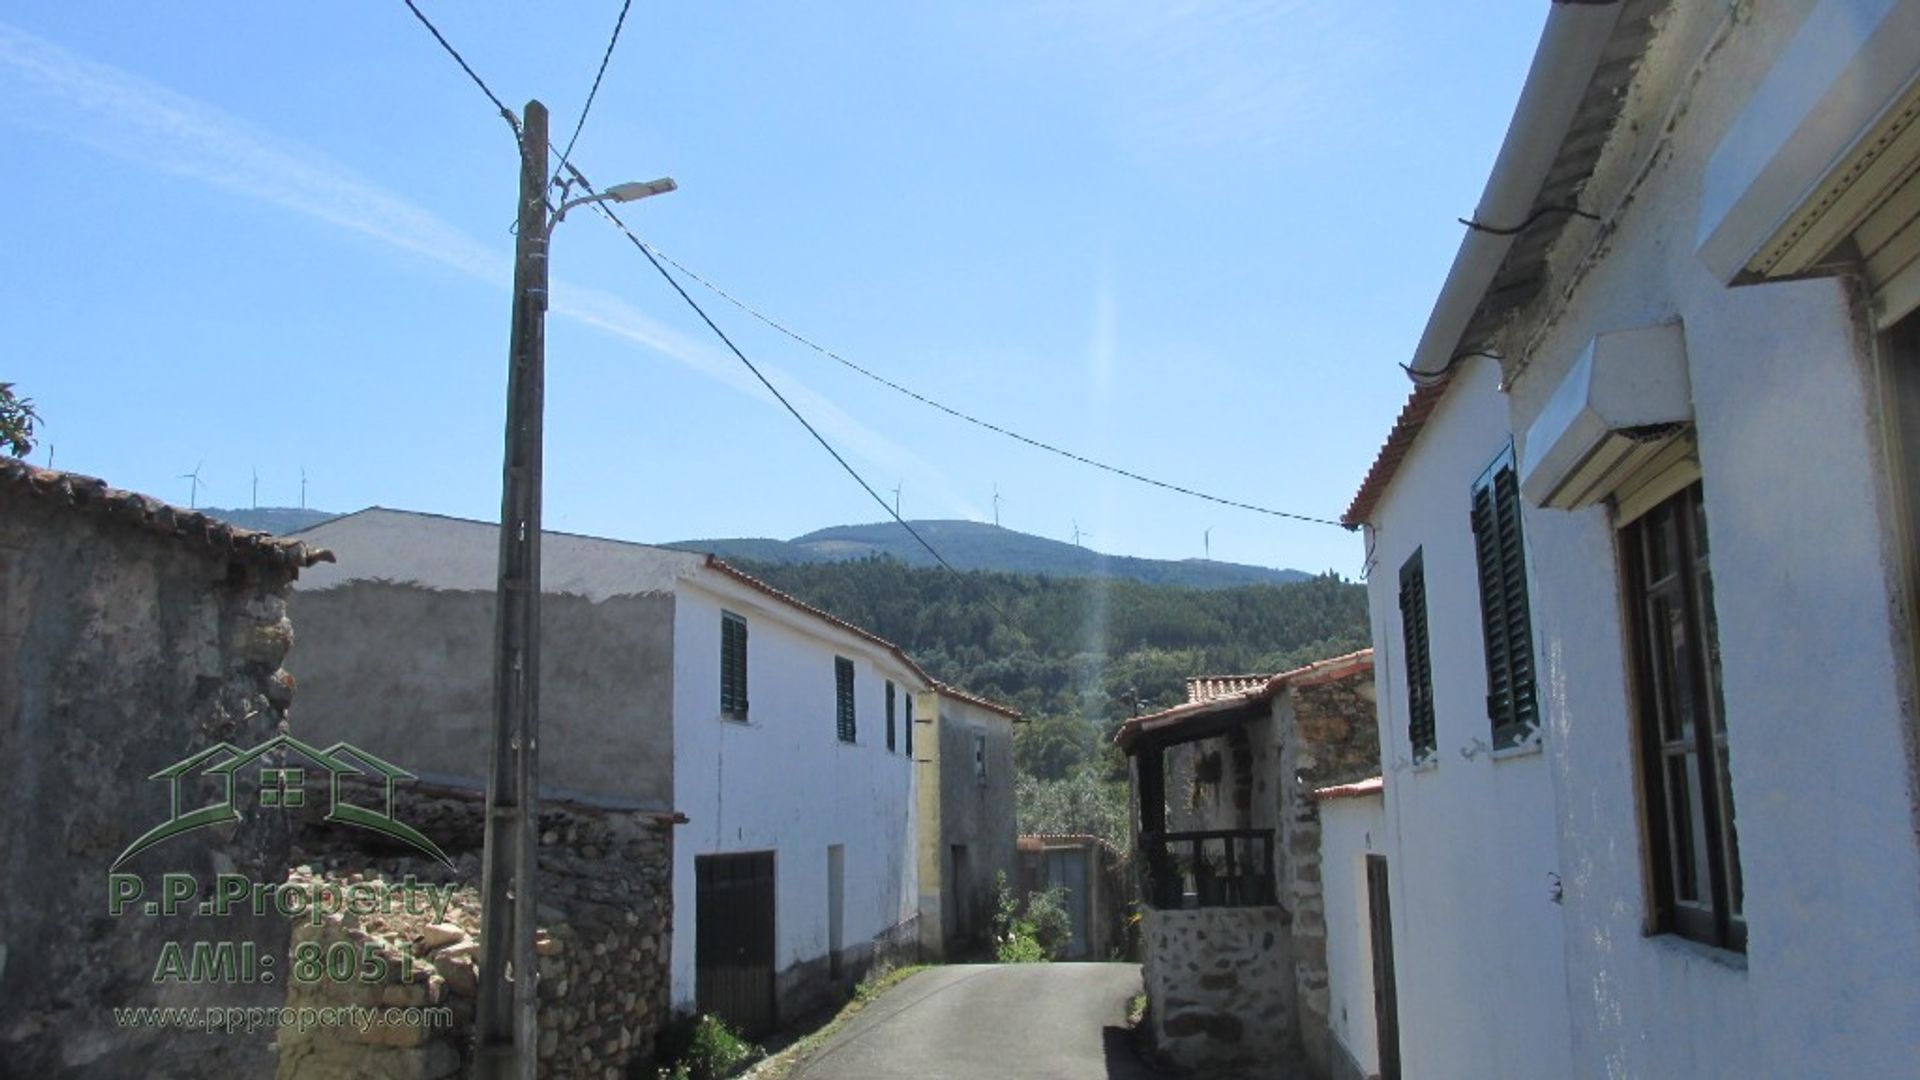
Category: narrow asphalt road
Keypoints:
(991, 1022)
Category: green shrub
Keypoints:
(1038, 934)
(703, 1048)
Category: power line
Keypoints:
(506, 113)
(595, 89)
(968, 418)
(614, 219)
(578, 177)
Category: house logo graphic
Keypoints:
(282, 784)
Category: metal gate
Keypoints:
(733, 939)
(1068, 867)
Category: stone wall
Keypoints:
(603, 939)
(132, 636)
(1221, 985)
(1329, 736)
(1318, 730)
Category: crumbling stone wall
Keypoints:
(1221, 985)
(132, 635)
(604, 938)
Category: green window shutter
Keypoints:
(1413, 629)
(843, 699)
(890, 748)
(733, 666)
(1505, 620)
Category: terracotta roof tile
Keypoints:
(1318, 673)
(1208, 687)
(1413, 417)
(89, 495)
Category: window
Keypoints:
(1504, 619)
(843, 698)
(980, 758)
(1693, 847)
(889, 716)
(909, 725)
(733, 666)
(1413, 636)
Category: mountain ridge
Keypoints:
(974, 545)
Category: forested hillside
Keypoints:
(1081, 646)
(1079, 655)
(976, 545)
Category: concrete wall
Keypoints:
(121, 653)
(1474, 838)
(1799, 519)
(1350, 829)
(783, 782)
(974, 814)
(396, 654)
(1813, 645)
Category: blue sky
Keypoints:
(1192, 239)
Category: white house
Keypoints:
(670, 680)
(1642, 568)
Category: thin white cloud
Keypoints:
(68, 96)
(1212, 73)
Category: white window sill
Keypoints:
(1688, 949)
(1525, 749)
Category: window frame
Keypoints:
(1422, 734)
(1506, 614)
(1680, 678)
(733, 670)
(845, 722)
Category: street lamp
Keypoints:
(506, 1029)
(621, 193)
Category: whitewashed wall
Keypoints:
(783, 781)
(1798, 519)
(1350, 830)
(1470, 841)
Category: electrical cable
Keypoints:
(614, 219)
(974, 420)
(1434, 378)
(1497, 230)
(506, 113)
(592, 91)
(576, 176)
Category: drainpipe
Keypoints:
(1576, 34)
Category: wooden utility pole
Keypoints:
(507, 1034)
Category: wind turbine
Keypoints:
(1206, 543)
(256, 487)
(303, 487)
(1077, 534)
(193, 489)
(896, 500)
(996, 506)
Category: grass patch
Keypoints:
(877, 982)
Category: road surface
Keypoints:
(991, 1022)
